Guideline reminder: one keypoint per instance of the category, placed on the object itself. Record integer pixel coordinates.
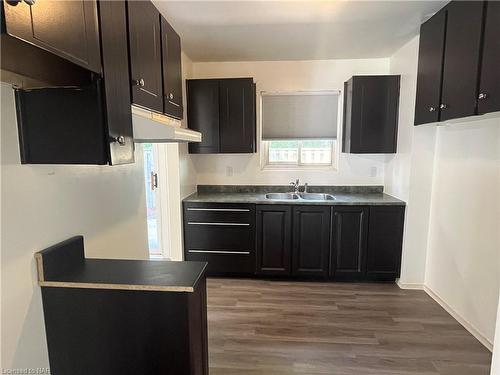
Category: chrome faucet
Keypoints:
(295, 185)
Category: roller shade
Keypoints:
(300, 115)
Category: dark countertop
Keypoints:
(63, 265)
(350, 199)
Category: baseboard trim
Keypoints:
(409, 286)
(467, 325)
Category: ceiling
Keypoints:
(294, 30)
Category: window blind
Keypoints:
(300, 115)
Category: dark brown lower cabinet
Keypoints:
(385, 240)
(311, 240)
(222, 235)
(274, 239)
(348, 242)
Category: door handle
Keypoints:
(154, 181)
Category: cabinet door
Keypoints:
(274, 224)
(203, 114)
(113, 20)
(311, 241)
(172, 71)
(237, 115)
(461, 59)
(489, 88)
(385, 239)
(349, 231)
(66, 28)
(430, 65)
(145, 55)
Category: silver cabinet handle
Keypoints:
(120, 140)
(220, 209)
(220, 224)
(220, 252)
(30, 2)
(483, 96)
(432, 109)
(140, 82)
(443, 106)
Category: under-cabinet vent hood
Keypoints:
(151, 127)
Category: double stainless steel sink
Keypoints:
(304, 196)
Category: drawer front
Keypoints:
(221, 212)
(222, 235)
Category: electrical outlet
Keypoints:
(373, 172)
(229, 171)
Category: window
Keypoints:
(299, 129)
(315, 152)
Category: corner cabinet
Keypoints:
(68, 29)
(145, 55)
(371, 114)
(223, 110)
(458, 61)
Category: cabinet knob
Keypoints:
(170, 96)
(140, 82)
(483, 96)
(120, 140)
(432, 109)
(443, 106)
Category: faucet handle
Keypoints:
(305, 187)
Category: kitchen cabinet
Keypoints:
(237, 115)
(371, 114)
(274, 240)
(489, 86)
(349, 242)
(145, 55)
(222, 235)
(385, 240)
(223, 110)
(430, 63)
(113, 21)
(172, 71)
(311, 240)
(461, 59)
(203, 114)
(68, 29)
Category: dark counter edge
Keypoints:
(69, 254)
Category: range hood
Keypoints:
(151, 127)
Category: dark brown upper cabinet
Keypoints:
(68, 29)
(311, 241)
(172, 70)
(371, 114)
(489, 86)
(223, 110)
(458, 63)
(89, 124)
(430, 69)
(145, 55)
(461, 59)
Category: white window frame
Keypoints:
(264, 145)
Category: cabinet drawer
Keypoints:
(218, 236)
(225, 263)
(219, 213)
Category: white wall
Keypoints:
(449, 175)
(187, 171)
(408, 174)
(42, 205)
(463, 256)
(290, 76)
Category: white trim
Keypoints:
(409, 286)
(466, 324)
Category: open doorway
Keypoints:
(156, 200)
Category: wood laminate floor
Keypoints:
(261, 327)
